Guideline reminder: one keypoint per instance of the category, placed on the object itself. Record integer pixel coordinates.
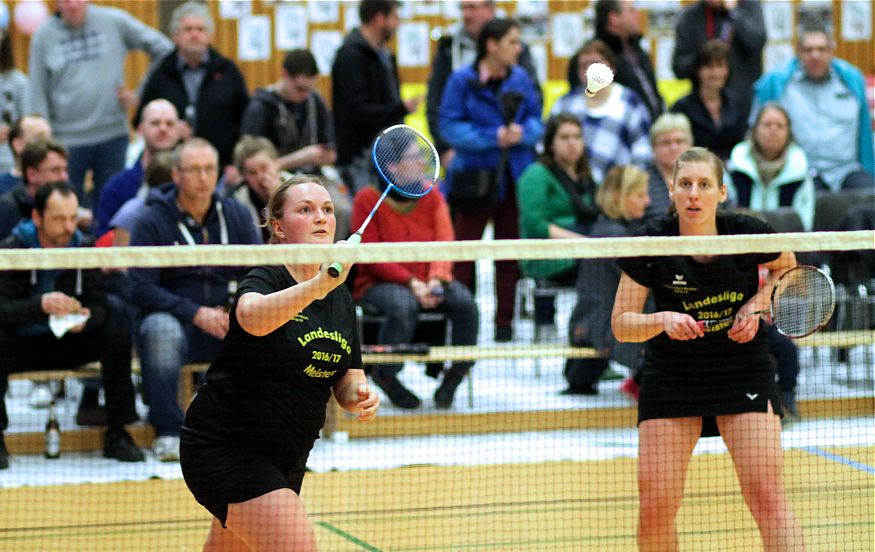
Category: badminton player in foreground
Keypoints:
(292, 341)
(695, 374)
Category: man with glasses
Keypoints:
(826, 99)
(181, 314)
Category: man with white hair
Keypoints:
(206, 88)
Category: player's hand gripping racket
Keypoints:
(408, 163)
(802, 302)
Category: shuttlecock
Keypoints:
(598, 75)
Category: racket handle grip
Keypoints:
(336, 269)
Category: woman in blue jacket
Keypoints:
(491, 114)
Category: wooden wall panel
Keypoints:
(260, 73)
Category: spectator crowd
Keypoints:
(211, 155)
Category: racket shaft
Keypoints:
(710, 323)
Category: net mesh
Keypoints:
(803, 302)
(513, 463)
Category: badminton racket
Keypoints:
(802, 302)
(407, 162)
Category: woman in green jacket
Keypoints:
(556, 198)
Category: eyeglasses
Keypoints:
(190, 171)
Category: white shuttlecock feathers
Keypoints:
(598, 75)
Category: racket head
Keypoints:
(802, 301)
(406, 160)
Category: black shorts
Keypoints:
(665, 396)
(219, 473)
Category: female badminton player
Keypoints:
(694, 377)
(292, 341)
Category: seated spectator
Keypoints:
(739, 24)
(256, 161)
(623, 199)
(615, 121)
(158, 178)
(181, 314)
(556, 198)
(15, 99)
(42, 161)
(294, 117)
(670, 136)
(491, 116)
(402, 290)
(28, 299)
(717, 115)
(768, 170)
(159, 128)
(826, 99)
(22, 131)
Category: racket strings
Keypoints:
(407, 161)
(803, 302)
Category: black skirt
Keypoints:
(666, 396)
(219, 473)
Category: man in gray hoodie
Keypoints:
(77, 62)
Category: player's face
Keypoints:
(298, 88)
(714, 75)
(772, 133)
(55, 227)
(308, 215)
(568, 144)
(668, 146)
(636, 202)
(696, 192)
(261, 174)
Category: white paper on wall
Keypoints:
(413, 45)
(664, 52)
(779, 20)
(451, 9)
(426, 7)
(234, 9)
(323, 11)
(253, 38)
(856, 20)
(566, 32)
(532, 8)
(291, 27)
(324, 45)
(350, 18)
(539, 58)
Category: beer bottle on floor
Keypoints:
(53, 434)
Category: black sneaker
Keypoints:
(4, 454)
(590, 389)
(119, 445)
(399, 395)
(443, 397)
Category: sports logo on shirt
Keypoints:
(679, 280)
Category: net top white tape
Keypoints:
(247, 255)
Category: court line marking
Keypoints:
(840, 459)
(353, 539)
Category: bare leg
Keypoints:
(224, 540)
(664, 450)
(274, 522)
(754, 442)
